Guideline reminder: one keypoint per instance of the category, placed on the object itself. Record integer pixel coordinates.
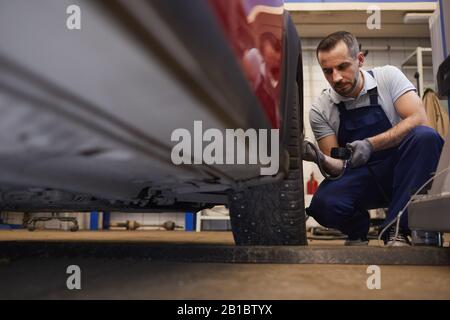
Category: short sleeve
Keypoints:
(398, 83)
(319, 125)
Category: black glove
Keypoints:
(361, 152)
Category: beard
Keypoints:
(346, 88)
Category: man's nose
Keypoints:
(336, 76)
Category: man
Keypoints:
(378, 114)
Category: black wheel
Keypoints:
(31, 227)
(273, 214)
(74, 228)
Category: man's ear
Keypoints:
(361, 58)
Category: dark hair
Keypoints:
(333, 39)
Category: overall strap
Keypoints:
(373, 93)
(341, 107)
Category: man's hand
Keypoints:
(361, 152)
(311, 153)
(327, 165)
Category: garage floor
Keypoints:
(111, 278)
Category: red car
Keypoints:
(88, 113)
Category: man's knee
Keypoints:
(325, 209)
(425, 135)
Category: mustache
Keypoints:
(341, 84)
(339, 87)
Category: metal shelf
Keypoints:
(420, 59)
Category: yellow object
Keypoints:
(437, 115)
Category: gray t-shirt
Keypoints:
(391, 84)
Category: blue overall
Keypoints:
(387, 180)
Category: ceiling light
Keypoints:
(410, 18)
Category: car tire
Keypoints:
(273, 214)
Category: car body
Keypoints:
(87, 115)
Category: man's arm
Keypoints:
(327, 143)
(331, 165)
(410, 108)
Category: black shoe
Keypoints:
(356, 242)
(399, 240)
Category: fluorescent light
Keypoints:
(411, 18)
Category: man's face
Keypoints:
(340, 69)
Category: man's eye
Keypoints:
(327, 71)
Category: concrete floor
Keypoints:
(118, 279)
(143, 279)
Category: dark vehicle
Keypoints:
(87, 114)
